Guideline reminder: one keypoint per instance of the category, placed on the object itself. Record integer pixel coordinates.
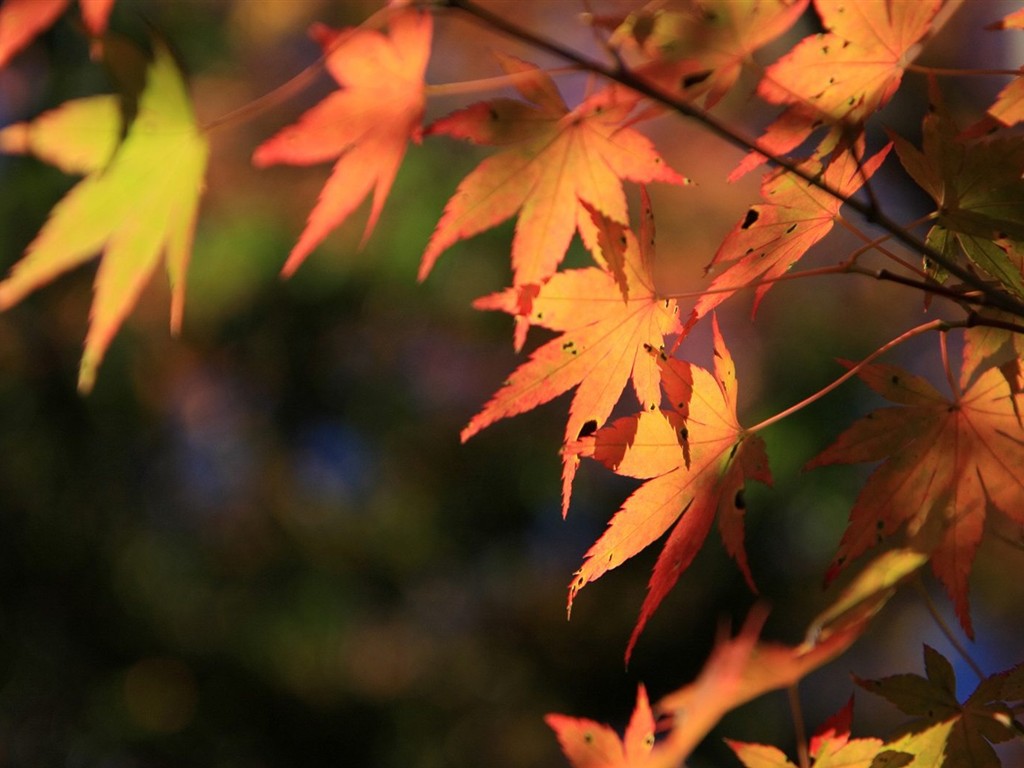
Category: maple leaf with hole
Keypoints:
(554, 164)
(701, 48)
(946, 733)
(774, 235)
(589, 744)
(977, 188)
(696, 459)
(946, 463)
(603, 333)
(22, 20)
(366, 125)
(845, 75)
(141, 204)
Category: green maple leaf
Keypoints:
(141, 204)
(946, 733)
(977, 188)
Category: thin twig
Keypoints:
(799, 729)
(945, 628)
(934, 325)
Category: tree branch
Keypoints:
(623, 76)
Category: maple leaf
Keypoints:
(603, 335)
(22, 20)
(741, 669)
(830, 747)
(869, 591)
(773, 236)
(977, 188)
(946, 733)
(141, 204)
(696, 459)
(947, 461)
(589, 744)
(1008, 108)
(79, 137)
(701, 48)
(556, 162)
(366, 125)
(843, 76)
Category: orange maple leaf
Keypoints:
(739, 669)
(589, 744)
(695, 458)
(22, 20)
(555, 161)
(701, 48)
(846, 74)
(773, 236)
(603, 336)
(947, 462)
(366, 125)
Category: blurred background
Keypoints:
(261, 543)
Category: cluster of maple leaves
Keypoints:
(946, 461)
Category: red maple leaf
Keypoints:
(22, 20)
(695, 458)
(773, 236)
(603, 328)
(555, 163)
(946, 463)
(366, 125)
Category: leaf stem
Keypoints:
(944, 350)
(945, 628)
(934, 325)
(490, 83)
(269, 100)
(953, 72)
(875, 244)
(294, 84)
(723, 130)
(799, 729)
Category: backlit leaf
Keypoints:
(141, 205)
(601, 346)
(713, 459)
(946, 463)
(80, 136)
(701, 47)
(588, 744)
(22, 20)
(772, 236)
(554, 164)
(852, 70)
(944, 732)
(977, 188)
(365, 126)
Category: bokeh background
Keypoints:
(261, 544)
